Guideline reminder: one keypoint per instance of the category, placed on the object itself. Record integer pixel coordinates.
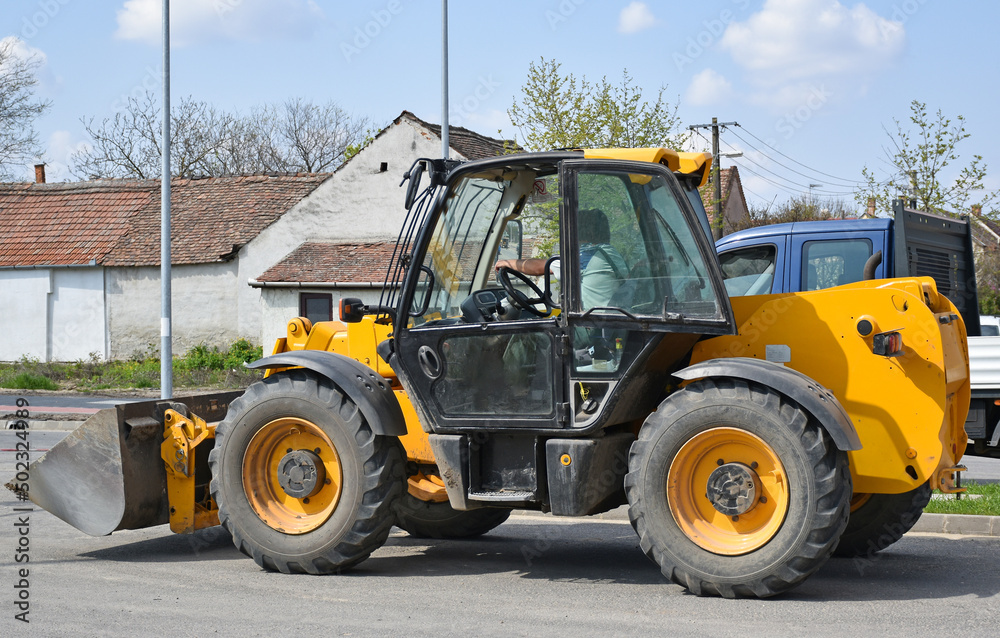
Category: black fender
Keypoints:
(814, 398)
(368, 389)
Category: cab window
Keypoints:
(834, 262)
(749, 271)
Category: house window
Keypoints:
(316, 306)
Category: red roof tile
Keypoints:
(117, 222)
(322, 262)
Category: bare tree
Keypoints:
(316, 136)
(298, 136)
(18, 109)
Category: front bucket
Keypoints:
(107, 474)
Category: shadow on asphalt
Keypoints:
(913, 569)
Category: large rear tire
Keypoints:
(302, 482)
(734, 491)
(879, 520)
(426, 519)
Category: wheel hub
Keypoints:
(732, 489)
(300, 473)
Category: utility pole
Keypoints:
(811, 187)
(717, 221)
(445, 142)
(166, 336)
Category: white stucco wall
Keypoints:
(52, 314)
(279, 305)
(357, 203)
(76, 315)
(204, 307)
(23, 313)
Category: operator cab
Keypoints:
(625, 273)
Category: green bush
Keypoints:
(28, 381)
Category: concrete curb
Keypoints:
(962, 524)
(43, 424)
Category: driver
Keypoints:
(602, 267)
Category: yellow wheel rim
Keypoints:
(695, 472)
(286, 443)
(859, 499)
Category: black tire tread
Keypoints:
(832, 481)
(422, 519)
(383, 476)
(881, 521)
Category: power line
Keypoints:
(788, 168)
(793, 183)
(840, 179)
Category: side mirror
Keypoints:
(414, 176)
(352, 310)
(511, 241)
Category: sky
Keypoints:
(813, 84)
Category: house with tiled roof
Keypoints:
(80, 261)
(364, 204)
(734, 202)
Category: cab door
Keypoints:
(466, 363)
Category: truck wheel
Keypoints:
(879, 520)
(734, 491)
(301, 481)
(425, 519)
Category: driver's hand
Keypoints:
(504, 263)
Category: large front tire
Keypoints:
(302, 482)
(734, 491)
(879, 520)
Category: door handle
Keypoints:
(430, 363)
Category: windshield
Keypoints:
(481, 215)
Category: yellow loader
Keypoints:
(749, 438)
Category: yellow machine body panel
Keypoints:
(909, 409)
(358, 341)
(687, 163)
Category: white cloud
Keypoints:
(808, 40)
(708, 87)
(635, 17)
(206, 20)
(60, 147)
(22, 50)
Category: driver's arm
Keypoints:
(534, 266)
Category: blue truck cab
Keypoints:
(802, 256)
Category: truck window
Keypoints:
(833, 262)
(748, 271)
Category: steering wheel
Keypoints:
(518, 298)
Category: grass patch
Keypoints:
(987, 505)
(29, 381)
(200, 367)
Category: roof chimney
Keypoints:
(39, 173)
(977, 209)
(871, 206)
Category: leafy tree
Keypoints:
(18, 109)
(560, 111)
(796, 209)
(296, 136)
(919, 156)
